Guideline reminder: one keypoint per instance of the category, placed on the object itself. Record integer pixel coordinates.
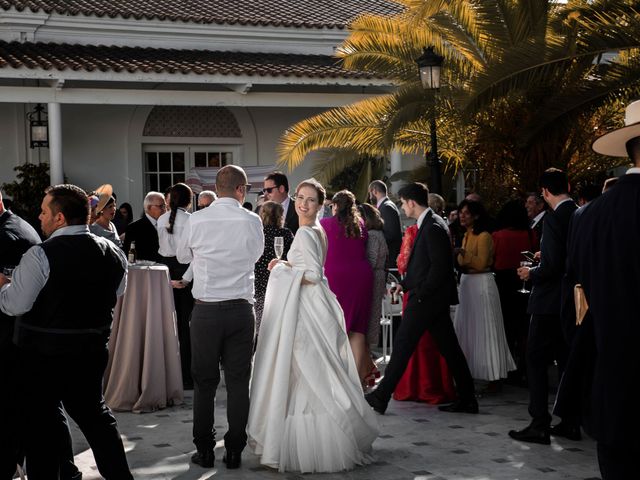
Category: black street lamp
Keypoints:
(430, 65)
(38, 128)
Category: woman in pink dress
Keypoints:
(349, 273)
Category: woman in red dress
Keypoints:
(427, 378)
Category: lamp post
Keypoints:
(430, 65)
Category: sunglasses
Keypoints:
(246, 186)
(269, 189)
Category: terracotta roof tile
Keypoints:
(61, 57)
(290, 13)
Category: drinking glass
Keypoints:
(525, 263)
(8, 272)
(278, 246)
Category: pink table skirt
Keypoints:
(143, 373)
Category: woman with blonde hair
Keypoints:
(349, 273)
(308, 413)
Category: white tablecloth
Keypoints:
(143, 373)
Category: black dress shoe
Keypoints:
(205, 459)
(461, 406)
(376, 403)
(566, 430)
(531, 434)
(232, 459)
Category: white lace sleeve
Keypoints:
(311, 255)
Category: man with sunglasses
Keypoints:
(143, 231)
(276, 189)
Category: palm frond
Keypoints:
(359, 126)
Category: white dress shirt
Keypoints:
(169, 241)
(422, 217)
(153, 221)
(285, 205)
(222, 242)
(537, 219)
(381, 201)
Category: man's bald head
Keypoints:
(228, 179)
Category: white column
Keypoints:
(396, 166)
(56, 168)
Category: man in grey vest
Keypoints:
(63, 292)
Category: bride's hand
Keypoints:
(272, 264)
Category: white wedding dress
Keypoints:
(308, 412)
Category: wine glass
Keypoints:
(8, 272)
(278, 246)
(525, 263)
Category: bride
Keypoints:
(307, 413)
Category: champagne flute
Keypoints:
(8, 272)
(525, 263)
(278, 246)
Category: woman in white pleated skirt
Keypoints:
(478, 320)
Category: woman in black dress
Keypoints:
(272, 215)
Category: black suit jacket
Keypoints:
(291, 217)
(144, 233)
(430, 276)
(392, 230)
(546, 278)
(604, 256)
(16, 237)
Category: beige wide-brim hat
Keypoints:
(613, 143)
(104, 193)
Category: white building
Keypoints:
(144, 94)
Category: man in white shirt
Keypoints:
(276, 189)
(223, 242)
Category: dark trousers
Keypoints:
(12, 415)
(10, 450)
(76, 381)
(221, 333)
(544, 344)
(415, 320)
(573, 401)
(617, 462)
(183, 301)
(516, 320)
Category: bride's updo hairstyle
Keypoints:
(313, 183)
(347, 213)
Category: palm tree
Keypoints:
(520, 78)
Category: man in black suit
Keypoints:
(605, 260)
(546, 341)
(391, 216)
(431, 283)
(16, 237)
(143, 231)
(536, 210)
(276, 189)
